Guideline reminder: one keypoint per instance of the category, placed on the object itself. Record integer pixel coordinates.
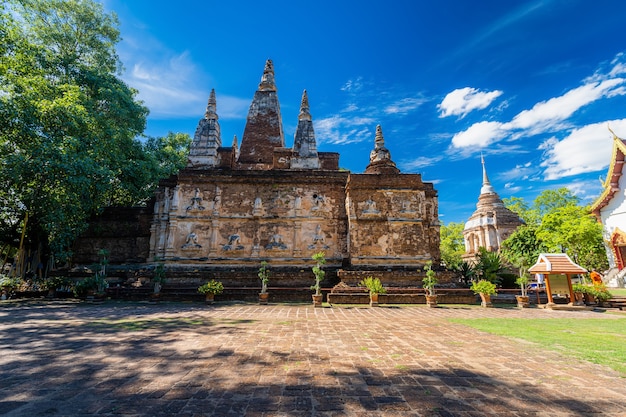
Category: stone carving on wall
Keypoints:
(196, 202)
(257, 209)
(407, 207)
(217, 201)
(256, 248)
(297, 205)
(276, 242)
(318, 202)
(370, 207)
(234, 243)
(319, 239)
(191, 242)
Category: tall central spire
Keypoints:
(486, 188)
(264, 127)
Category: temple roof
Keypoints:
(611, 184)
(556, 263)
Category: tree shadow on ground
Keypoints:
(76, 363)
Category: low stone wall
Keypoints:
(357, 295)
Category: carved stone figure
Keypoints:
(192, 241)
(234, 243)
(196, 202)
(276, 242)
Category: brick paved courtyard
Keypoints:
(134, 359)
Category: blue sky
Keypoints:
(533, 85)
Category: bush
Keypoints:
(483, 287)
(211, 287)
(373, 285)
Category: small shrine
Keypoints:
(557, 269)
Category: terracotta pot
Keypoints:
(431, 301)
(523, 301)
(317, 300)
(263, 297)
(373, 300)
(209, 298)
(486, 300)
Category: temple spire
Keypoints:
(486, 188)
(380, 157)
(267, 80)
(211, 107)
(379, 140)
(304, 144)
(304, 108)
(264, 127)
(207, 139)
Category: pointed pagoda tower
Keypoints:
(491, 223)
(264, 127)
(304, 144)
(380, 157)
(207, 139)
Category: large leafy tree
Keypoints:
(555, 222)
(451, 244)
(572, 229)
(68, 123)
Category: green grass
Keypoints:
(618, 291)
(601, 341)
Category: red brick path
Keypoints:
(132, 359)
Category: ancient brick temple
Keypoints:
(234, 206)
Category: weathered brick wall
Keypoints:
(123, 231)
(240, 217)
(393, 220)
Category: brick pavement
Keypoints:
(133, 359)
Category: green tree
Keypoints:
(523, 247)
(528, 214)
(573, 230)
(554, 223)
(550, 200)
(68, 124)
(451, 244)
(489, 266)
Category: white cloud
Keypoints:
(340, 130)
(419, 162)
(404, 105)
(479, 135)
(557, 109)
(550, 115)
(587, 149)
(520, 172)
(587, 191)
(462, 101)
(166, 86)
(353, 85)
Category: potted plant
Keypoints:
(579, 293)
(211, 288)
(428, 283)
(523, 301)
(375, 287)
(264, 276)
(485, 289)
(600, 293)
(8, 286)
(320, 260)
(54, 284)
